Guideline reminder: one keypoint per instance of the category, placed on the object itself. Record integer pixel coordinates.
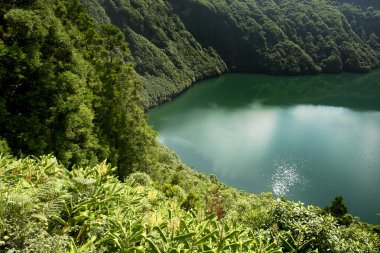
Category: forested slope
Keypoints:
(364, 3)
(365, 22)
(281, 37)
(67, 87)
(175, 42)
(168, 58)
(44, 207)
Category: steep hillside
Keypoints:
(175, 42)
(365, 22)
(168, 58)
(46, 208)
(280, 37)
(364, 3)
(65, 87)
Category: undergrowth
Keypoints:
(46, 208)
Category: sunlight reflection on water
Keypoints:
(287, 176)
(237, 129)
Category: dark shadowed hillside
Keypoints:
(168, 57)
(176, 42)
(364, 3)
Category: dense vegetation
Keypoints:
(46, 208)
(65, 87)
(68, 87)
(365, 23)
(168, 58)
(364, 3)
(175, 42)
(279, 36)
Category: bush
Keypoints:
(140, 178)
(4, 148)
(46, 208)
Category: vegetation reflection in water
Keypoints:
(307, 138)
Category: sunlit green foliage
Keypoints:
(4, 148)
(46, 208)
(66, 87)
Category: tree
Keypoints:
(340, 211)
(67, 87)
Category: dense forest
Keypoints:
(168, 58)
(80, 169)
(176, 42)
(364, 3)
(66, 87)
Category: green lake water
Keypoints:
(308, 138)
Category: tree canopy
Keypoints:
(67, 87)
(176, 42)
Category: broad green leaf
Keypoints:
(206, 237)
(153, 246)
(184, 236)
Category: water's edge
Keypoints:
(208, 77)
(220, 99)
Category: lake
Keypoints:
(307, 138)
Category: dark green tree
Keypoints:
(337, 208)
(68, 88)
(340, 211)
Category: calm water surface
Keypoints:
(307, 138)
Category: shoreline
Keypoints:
(193, 83)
